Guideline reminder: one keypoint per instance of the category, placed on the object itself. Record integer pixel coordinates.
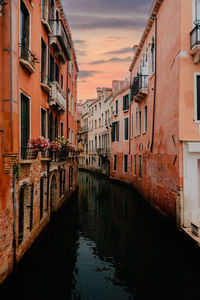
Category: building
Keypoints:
(97, 118)
(38, 94)
(165, 106)
(120, 130)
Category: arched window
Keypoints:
(51, 127)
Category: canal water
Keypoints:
(105, 244)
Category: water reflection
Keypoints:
(107, 244)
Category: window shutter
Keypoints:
(198, 98)
(117, 138)
(113, 131)
(197, 11)
(124, 103)
(128, 101)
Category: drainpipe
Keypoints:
(11, 74)
(155, 88)
(130, 114)
(14, 214)
(67, 103)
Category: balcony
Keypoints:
(104, 152)
(57, 97)
(27, 59)
(139, 87)
(46, 18)
(28, 154)
(60, 40)
(45, 83)
(195, 43)
(85, 129)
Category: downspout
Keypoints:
(11, 74)
(130, 113)
(67, 103)
(3, 145)
(155, 89)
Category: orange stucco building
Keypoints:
(164, 133)
(38, 94)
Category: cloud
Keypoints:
(87, 74)
(112, 39)
(79, 42)
(111, 60)
(87, 22)
(81, 53)
(120, 51)
(110, 7)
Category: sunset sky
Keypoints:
(104, 32)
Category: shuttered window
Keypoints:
(140, 122)
(25, 124)
(140, 166)
(198, 98)
(115, 131)
(116, 107)
(115, 162)
(145, 119)
(125, 163)
(126, 129)
(197, 11)
(126, 102)
(43, 122)
(43, 62)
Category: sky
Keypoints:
(104, 33)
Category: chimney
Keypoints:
(98, 92)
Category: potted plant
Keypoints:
(38, 144)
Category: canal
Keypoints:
(105, 244)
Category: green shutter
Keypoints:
(113, 131)
(117, 138)
(124, 103)
(198, 98)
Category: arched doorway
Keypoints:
(53, 193)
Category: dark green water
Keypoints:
(107, 244)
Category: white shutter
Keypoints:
(197, 11)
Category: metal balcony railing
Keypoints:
(57, 96)
(195, 35)
(28, 153)
(27, 59)
(140, 83)
(59, 32)
(103, 151)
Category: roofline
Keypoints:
(70, 35)
(153, 12)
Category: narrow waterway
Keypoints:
(107, 243)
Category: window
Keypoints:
(57, 73)
(62, 84)
(99, 105)
(198, 98)
(95, 108)
(140, 166)
(197, 12)
(126, 129)
(102, 118)
(145, 119)
(135, 164)
(153, 56)
(95, 124)
(43, 62)
(116, 107)
(25, 124)
(99, 162)
(115, 162)
(62, 128)
(41, 197)
(52, 68)
(136, 123)
(126, 102)
(72, 105)
(24, 31)
(131, 126)
(125, 163)
(68, 99)
(131, 163)
(43, 122)
(99, 122)
(115, 131)
(140, 122)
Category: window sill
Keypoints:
(27, 161)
